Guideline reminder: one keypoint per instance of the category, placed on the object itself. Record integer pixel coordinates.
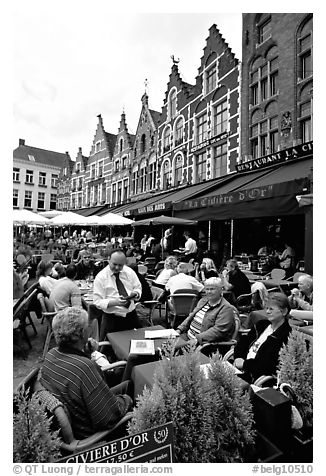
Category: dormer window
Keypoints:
(31, 158)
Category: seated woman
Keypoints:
(206, 270)
(212, 320)
(43, 274)
(169, 270)
(257, 353)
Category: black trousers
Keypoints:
(114, 323)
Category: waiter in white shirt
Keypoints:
(116, 288)
(190, 249)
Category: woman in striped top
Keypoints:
(212, 320)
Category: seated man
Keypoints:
(302, 297)
(212, 320)
(234, 279)
(183, 280)
(65, 292)
(71, 376)
(85, 266)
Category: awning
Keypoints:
(267, 192)
(152, 204)
(87, 212)
(163, 202)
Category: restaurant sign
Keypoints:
(151, 446)
(211, 141)
(282, 156)
(149, 209)
(255, 193)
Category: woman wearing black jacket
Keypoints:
(257, 352)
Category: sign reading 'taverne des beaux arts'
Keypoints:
(151, 446)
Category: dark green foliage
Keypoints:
(296, 368)
(33, 440)
(212, 418)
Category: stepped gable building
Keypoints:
(122, 159)
(199, 131)
(98, 176)
(78, 181)
(174, 132)
(144, 160)
(64, 184)
(215, 145)
(35, 177)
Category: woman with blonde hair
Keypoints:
(169, 270)
(206, 270)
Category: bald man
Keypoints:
(116, 288)
(302, 296)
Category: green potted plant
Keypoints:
(212, 418)
(296, 370)
(33, 439)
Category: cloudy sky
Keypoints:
(80, 59)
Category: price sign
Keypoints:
(151, 446)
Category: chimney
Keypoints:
(80, 150)
(21, 141)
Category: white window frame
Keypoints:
(42, 178)
(28, 196)
(16, 174)
(15, 196)
(29, 177)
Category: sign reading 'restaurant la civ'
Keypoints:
(277, 158)
(151, 446)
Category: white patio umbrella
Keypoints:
(68, 218)
(112, 219)
(26, 217)
(51, 213)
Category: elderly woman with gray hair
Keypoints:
(71, 376)
(212, 320)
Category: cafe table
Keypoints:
(144, 374)
(120, 341)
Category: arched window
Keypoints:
(172, 105)
(166, 175)
(178, 135)
(178, 170)
(142, 176)
(143, 144)
(166, 139)
(152, 172)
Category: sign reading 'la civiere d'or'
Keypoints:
(150, 446)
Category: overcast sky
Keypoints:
(71, 64)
